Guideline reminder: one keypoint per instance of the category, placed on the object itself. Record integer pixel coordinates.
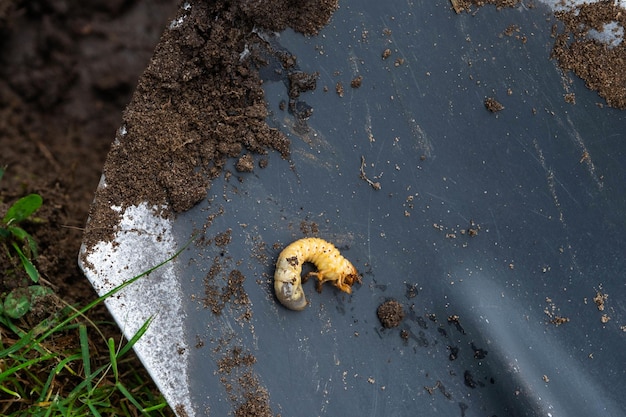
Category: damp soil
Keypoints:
(199, 103)
(66, 73)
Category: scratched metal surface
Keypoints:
(543, 180)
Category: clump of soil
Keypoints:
(600, 65)
(390, 313)
(600, 300)
(199, 102)
(356, 82)
(245, 163)
(305, 16)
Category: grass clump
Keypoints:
(50, 369)
(54, 360)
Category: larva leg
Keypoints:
(318, 283)
(306, 277)
(344, 283)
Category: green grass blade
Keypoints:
(51, 375)
(28, 265)
(26, 364)
(81, 388)
(84, 350)
(10, 392)
(130, 397)
(115, 290)
(93, 410)
(113, 357)
(20, 344)
(128, 346)
(156, 407)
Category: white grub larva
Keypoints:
(331, 266)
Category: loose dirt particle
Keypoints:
(493, 105)
(339, 88)
(356, 82)
(570, 98)
(600, 299)
(553, 314)
(511, 29)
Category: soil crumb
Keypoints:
(390, 313)
(356, 82)
(245, 163)
(600, 300)
(493, 105)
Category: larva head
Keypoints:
(290, 294)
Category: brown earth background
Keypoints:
(67, 71)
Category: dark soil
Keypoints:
(493, 105)
(199, 102)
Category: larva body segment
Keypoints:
(331, 266)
